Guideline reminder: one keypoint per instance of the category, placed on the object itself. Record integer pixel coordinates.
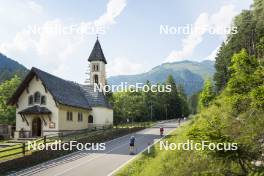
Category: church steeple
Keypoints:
(97, 65)
(97, 53)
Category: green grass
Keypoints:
(172, 162)
(150, 163)
(135, 124)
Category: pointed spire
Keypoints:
(97, 53)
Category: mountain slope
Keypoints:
(9, 67)
(188, 73)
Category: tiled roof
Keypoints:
(64, 92)
(35, 110)
(95, 98)
(97, 53)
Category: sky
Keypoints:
(136, 35)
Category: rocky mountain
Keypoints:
(9, 67)
(190, 74)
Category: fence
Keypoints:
(19, 149)
(23, 149)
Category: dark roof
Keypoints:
(96, 98)
(64, 92)
(97, 53)
(35, 110)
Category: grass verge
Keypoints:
(173, 162)
(150, 163)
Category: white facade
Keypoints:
(62, 113)
(97, 69)
(56, 122)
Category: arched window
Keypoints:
(37, 97)
(30, 100)
(90, 119)
(96, 79)
(43, 100)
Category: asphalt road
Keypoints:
(99, 163)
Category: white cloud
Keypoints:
(57, 52)
(124, 66)
(191, 41)
(114, 9)
(212, 55)
(35, 7)
(217, 21)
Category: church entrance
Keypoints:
(36, 127)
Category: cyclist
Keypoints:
(161, 131)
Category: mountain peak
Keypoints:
(191, 74)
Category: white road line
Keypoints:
(114, 171)
(39, 166)
(92, 159)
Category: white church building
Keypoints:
(46, 104)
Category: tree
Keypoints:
(242, 68)
(193, 102)
(172, 100)
(7, 88)
(149, 100)
(207, 94)
(246, 38)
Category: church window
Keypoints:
(43, 100)
(80, 117)
(37, 97)
(95, 67)
(30, 100)
(69, 116)
(96, 79)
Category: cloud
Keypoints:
(192, 40)
(55, 46)
(35, 7)
(213, 54)
(124, 66)
(218, 21)
(114, 9)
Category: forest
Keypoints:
(229, 109)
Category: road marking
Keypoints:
(92, 159)
(40, 166)
(111, 174)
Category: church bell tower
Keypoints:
(97, 65)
